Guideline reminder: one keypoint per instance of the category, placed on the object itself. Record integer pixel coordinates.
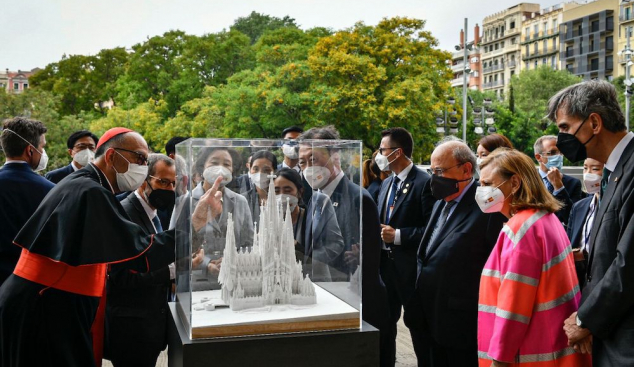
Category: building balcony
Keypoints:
(512, 64)
(541, 53)
(457, 82)
(458, 67)
(493, 84)
(626, 18)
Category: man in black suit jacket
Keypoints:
(582, 217)
(564, 188)
(81, 147)
(404, 208)
(442, 314)
(21, 189)
(136, 310)
(591, 123)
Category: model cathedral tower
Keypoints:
(267, 273)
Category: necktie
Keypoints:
(549, 186)
(604, 181)
(441, 220)
(157, 224)
(390, 200)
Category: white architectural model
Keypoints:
(266, 274)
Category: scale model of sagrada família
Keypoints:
(267, 274)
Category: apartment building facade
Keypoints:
(473, 63)
(540, 37)
(588, 38)
(501, 51)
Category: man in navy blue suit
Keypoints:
(21, 189)
(81, 147)
(405, 205)
(564, 188)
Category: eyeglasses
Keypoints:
(163, 182)
(141, 158)
(82, 146)
(381, 150)
(551, 153)
(440, 171)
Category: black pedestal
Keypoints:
(349, 348)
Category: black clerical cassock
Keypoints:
(49, 305)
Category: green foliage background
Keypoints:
(265, 74)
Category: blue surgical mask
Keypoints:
(556, 161)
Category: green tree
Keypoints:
(151, 71)
(255, 24)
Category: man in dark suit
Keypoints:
(582, 217)
(591, 124)
(81, 147)
(321, 168)
(21, 189)
(443, 312)
(136, 310)
(564, 188)
(405, 205)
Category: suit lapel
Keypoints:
(608, 195)
(462, 210)
(406, 189)
(147, 223)
(435, 214)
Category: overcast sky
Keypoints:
(34, 33)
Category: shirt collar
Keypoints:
(15, 161)
(404, 173)
(151, 213)
(617, 152)
(74, 165)
(466, 188)
(330, 188)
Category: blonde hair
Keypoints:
(532, 193)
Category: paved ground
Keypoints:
(405, 356)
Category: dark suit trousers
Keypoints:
(431, 354)
(397, 298)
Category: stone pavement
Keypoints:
(405, 356)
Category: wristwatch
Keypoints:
(579, 323)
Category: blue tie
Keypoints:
(390, 200)
(549, 186)
(157, 224)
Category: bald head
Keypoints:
(115, 155)
(455, 151)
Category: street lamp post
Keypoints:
(484, 117)
(450, 121)
(627, 51)
(464, 83)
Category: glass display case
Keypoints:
(268, 236)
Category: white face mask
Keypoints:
(293, 201)
(290, 151)
(383, 162)
(83, 157)
(213, 172)
(317, 176)
(490, 199)
(43, 161)
(260, 180)
(478, 161)
(133, 178)
(592, 182)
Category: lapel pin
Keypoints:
(407, 185)
(404, 191)
(616, 179)
(335, 204)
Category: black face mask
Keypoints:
(161, 199)
(571, 147)
(441, 187)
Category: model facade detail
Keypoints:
(267, 273)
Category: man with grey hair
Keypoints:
(591, 125)
(136, 312)
(564, 188)
(442, 314)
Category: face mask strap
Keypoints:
(26, 141)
